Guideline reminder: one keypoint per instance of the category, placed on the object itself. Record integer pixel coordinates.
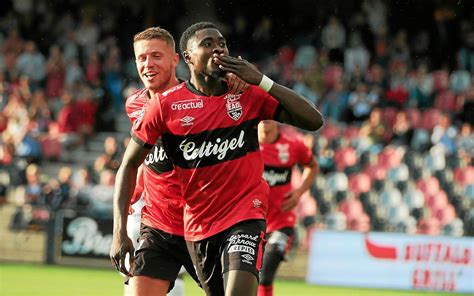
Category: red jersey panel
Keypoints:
(213, 144)
(163, 205)
(279, 158)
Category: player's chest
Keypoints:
(197, 114)
(279, 154)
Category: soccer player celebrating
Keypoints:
(281, 152)
(211, 137)
(156, 201)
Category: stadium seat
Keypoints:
(445, 215)
(389, 114)
(421, 140)
(399, 173)
(351, 207)
(454, 228)
(429, 226)
(345, 157)
(360, 183)
(390, 197)
(435, 160)
(360, 223)
(469, 192)
(428, 185)
(464, 176)
(336, 221)
(397, 214)
(337, 181)
(406, 226)
(390, 157)
(414, 199)
(436, 201)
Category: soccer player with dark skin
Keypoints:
(210, 135)
(161, 211)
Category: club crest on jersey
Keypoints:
(234, 109)
(283, 153)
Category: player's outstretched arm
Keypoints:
(124, 185)
(298, 110)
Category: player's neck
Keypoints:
(173, 82)
(208, 85)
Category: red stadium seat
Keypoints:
(360, 183)
(436, 201)
(351, 207)
(389, 114)
(351, 132)
(430, 226)
(345, 157)
(360, 223)
(390, 157)
(464, 176)
(445, 215)
(330, 131)
(376, 172)
(429, 186)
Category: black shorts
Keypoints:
(239, 247)
(161, 255)
(281, 240)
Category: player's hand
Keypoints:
(238, 66)
(121, 246)
(236, 85)
(292, 198)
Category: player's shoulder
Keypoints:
(138, 97)
(291, 135)
(173, 91)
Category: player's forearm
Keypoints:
(300, 112)
(124, 184)
(309, 173)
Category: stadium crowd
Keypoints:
(395, 154)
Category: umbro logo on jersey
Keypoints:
(247, 258)
(187, 104)
(187, 121)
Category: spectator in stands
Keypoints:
(56, 72)
(402, 132)
(374, 128)
(361, 102)
(68, 121)
(444, 134)
(102, 195)
(336, 102)
(333, 39)
(31, 63)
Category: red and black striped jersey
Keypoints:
(279, 159)
(212, 141)
(163, 205)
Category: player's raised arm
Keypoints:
(297, 110)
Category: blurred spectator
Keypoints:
(55, 73)
(333, 39)
(402, 131)
(335, 102)
(31, 63)
(444, 134)
(374, 128)
(68, 121)
(102, 195)
(361, 102)
(356, 54)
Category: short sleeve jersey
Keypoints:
(163, 204)
(212, 141)
(279, 158)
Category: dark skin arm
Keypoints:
(297, 110)
(124, 185)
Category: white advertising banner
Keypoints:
(391, 260)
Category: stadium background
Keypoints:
(393, 79)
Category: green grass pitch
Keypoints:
(42, 280)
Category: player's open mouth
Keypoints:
(150, 75)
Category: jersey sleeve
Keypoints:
(305, 155)
(269, 106)
(148, 126)
(135, 103)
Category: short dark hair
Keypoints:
(155, 33)
(191, 31)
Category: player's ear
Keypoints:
(187, 57)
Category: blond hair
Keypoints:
(155, 33)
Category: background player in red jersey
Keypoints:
(211, 137)
(281, 152)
